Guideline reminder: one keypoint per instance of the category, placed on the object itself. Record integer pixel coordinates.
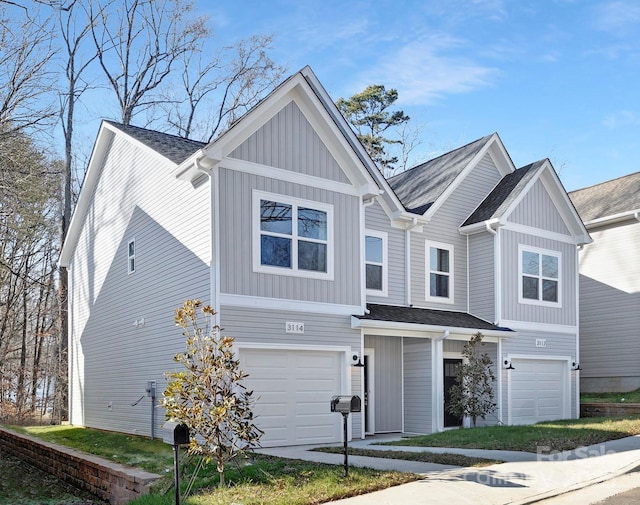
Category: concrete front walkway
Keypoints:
(524, 477)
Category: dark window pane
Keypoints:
(132, 248)
(530, 263)
(374, 277)
(549, 290)
(275, 251)
(530, 288)
(439, 285)
(439, 259)
(275, 217)
(312, 256)
(312, 223)
(550, 266)
(373, 249)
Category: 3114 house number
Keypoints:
(292, 327)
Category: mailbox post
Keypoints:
(176, 434)
(345, 404)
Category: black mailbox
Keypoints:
(175, 433)
(345, 404)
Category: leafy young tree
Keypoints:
(208, 395)
(368, 113)
(473, 394)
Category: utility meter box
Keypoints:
(175, 433)
(345, 404)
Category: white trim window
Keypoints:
(292, 236)
(375, 251)
(539, 277)
(131, 256)
(439, 278)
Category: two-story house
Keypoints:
(610, 285)
(315, 263)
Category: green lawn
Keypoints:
(556, 435)
(628, 397)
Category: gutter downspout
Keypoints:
(636, 216)
(407, 259)
(214, 226)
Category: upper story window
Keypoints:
(131, 256)
(293, 236)
(539, 276)
(439, 261)
(376, 262)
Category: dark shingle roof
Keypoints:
(419, 187)
(503, 195)
(176, 149)
(429, 317)
(608, 198)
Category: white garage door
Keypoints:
(293, 390)
(539, 391)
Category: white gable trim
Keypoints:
(495, 148)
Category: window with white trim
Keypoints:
(539, 276)
(375, 252)
(439, 262)
(131, 256)
(293, 236)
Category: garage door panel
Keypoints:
(293, 390)
(538, 390)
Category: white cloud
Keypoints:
(422, 72)
(620, 119)
(618, 16)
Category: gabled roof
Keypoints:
(608, 200)
(419, 187)
(172, 147)
(504, 194)
(430, 319)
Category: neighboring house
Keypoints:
(610, 285)
(315, 262)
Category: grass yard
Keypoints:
(257, 479)
(556, 435)
(628, 397)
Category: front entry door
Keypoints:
(450, 380)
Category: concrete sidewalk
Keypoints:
(524, 477)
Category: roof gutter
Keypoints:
(615, 218)
(417, 327)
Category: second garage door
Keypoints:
(539, 391)
(293, 390)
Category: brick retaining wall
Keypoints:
(113, 482)
(608, 409)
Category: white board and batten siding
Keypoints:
(295, 373)
(537, 210)
(136, 198)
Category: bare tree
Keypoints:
(138, 42)
(26, 51)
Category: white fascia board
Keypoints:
(437, 330)
(614, 218)
(105, 134)
(480, 227)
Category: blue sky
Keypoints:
(557, 79)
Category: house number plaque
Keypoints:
(293, 327)
(541, 342)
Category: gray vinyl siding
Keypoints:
(377, 219)
(387, 382)
(565, 314)
(610, 304)
(236, 261)
(111, 358)
(538, 211)
(417, 385)
(444, 228)
(482, 276)
(320, 330)
(288, 141)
